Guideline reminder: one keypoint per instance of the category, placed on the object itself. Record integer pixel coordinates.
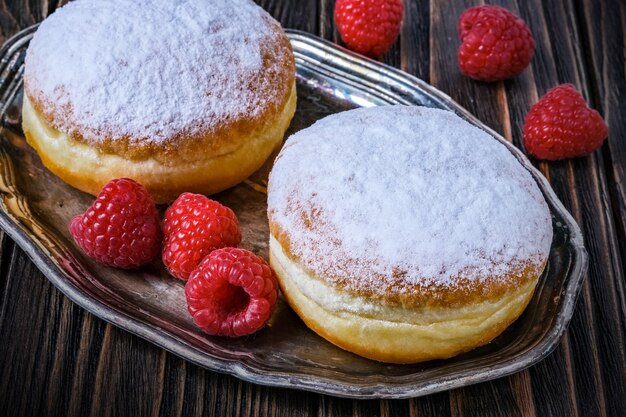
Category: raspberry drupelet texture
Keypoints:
(232, 293)
(369, 27)
(495, 44)
(195, 225)
(561, 125)
(121, 228)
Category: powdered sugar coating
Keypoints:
(152, 70)
(399, 196)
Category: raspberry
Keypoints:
(369, 27)
(121, 228)
(194, 226)
(232, 293)
(561, 125)
(495, 44)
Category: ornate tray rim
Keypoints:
(304, 46)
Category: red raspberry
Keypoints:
(194, 226)
(495, 44)
(232, 293)
(561, 125)
(121, 228)
(369, 27)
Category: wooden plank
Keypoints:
(8, 24)
(603, 31)
(125, 377)
(414, 39)
(435, 405)
(502, 397)
(326, 22)
(173, 387)
(293, 14)
(40, 336)
(81, 382)
(6, 250)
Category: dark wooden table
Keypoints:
(57, 359)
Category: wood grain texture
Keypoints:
(57, 359)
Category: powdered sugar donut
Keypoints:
(180, 95)
(405, 234)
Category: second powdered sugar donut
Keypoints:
(405, 234)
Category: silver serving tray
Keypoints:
(36, 206)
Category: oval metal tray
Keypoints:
(36, 207)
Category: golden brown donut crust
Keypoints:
(86, 168)
(401, 293)
(388, 333)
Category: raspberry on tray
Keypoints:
(121, 228)
(195, 225)
(232, 293)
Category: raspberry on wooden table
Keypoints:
(232, 293)
(121, 228)
(495, 44)
(369, 27)
(561, 125)
(195, 225)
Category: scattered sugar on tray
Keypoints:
(406, 191)
(177, 72)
